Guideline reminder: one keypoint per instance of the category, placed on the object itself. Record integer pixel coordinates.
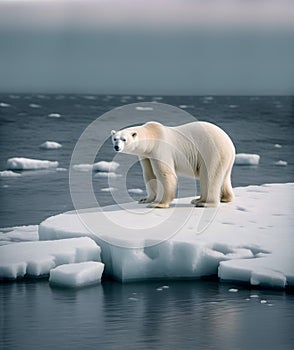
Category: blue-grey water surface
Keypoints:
(187, 315)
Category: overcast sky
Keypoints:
(147, 46)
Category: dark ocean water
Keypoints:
(187, 315)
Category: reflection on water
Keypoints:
(187, 315)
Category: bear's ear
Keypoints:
(113, 132)
(134, 134)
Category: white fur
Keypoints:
(197, 149)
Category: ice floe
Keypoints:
(277, 145)
(254, 245)
(19, 163)
(247, 159)
(77, 275)
(141, 108)
(34, 105)
(9, 173)
(281, 163)
(4, 105)
(106, 174)
(38, 258)
(135, 190)
(102, 166)
(50, 145)
(54, 115)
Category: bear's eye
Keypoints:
(123, 139)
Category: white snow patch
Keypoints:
(54, 115)
(281, 163)
(38, 258)
(247, 159)
(77, 275)
(50, 145)
(141, 108)
(29, 164)
(9, 173)
(140, 243)
(135, 190)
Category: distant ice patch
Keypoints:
(247, 159)
(34, 105)
(105, 166)
(9, 173)
(102, 166)
(4, 105)
(107, 174)
(281, 163)
(277, 145)
(77, 275)
(54, 115)
(29, 164)
(135, 190)
(50, 145)
(141, 108)
(107, 189)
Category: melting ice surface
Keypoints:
(249, 240)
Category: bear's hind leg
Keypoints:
(227, 194)
(210, 189)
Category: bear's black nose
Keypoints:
(116, 148)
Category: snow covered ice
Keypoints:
(50, 145)
(54, 115)
(77, 275)
(247, 159)
(249, 240)
(20, 163)
(38, 258)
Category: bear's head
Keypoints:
(124, 140)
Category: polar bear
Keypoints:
(197, 149)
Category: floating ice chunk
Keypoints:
(141, 108)
(105, 166)
(9, 173)
(278, 145)
(4, 105)
(106, 174)
(89, 97)
(263, 301)
(61, 169)
(108, 189)
(34, 105)
(281, 163)
(183, 106)
(29, 164)
(19, 233)
(54, 115)
(135, 190)
(38, 258)
(233, 106)
(77, 275)
(247, 159)
(50, 145)
(83, 167)
(233, 290)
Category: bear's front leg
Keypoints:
(150, 181)
(166, 184)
